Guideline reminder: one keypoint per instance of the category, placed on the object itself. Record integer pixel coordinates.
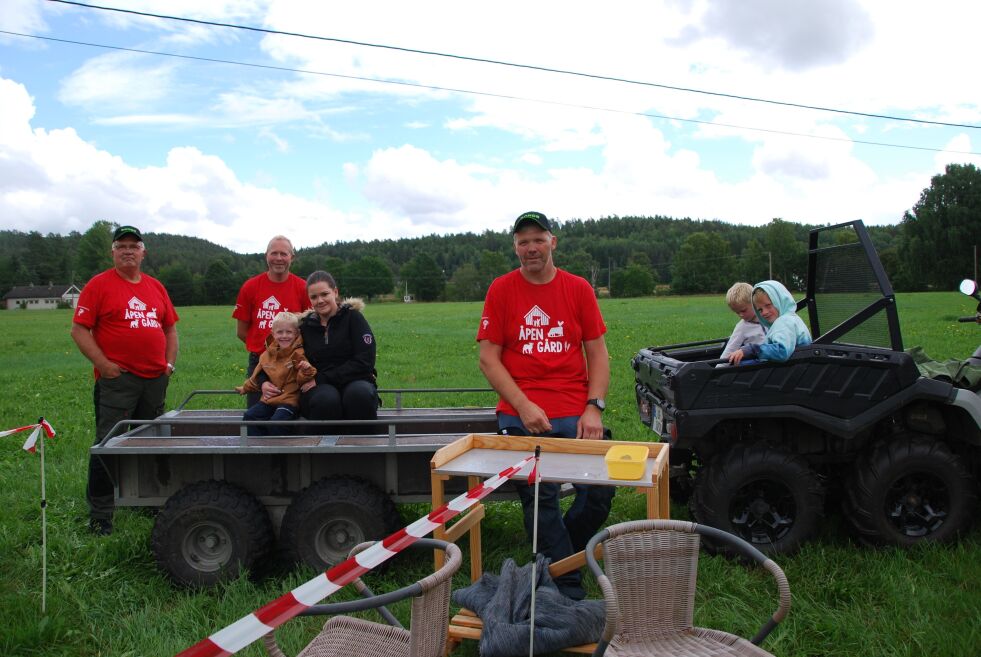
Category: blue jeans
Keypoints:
(561, 536)
(263, 411)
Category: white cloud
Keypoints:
(53, 181)
(954, 153)
(243, 12)
(406, 161)
(791, 35)
(249, 109)
(281, 144)
(411, 183)
(117, 82)
(149, 120)
(23, 16)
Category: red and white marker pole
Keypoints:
(537, 477)
(32, 445)
(267, 618)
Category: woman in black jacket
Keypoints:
(339, 343)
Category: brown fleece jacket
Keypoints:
(282, 366)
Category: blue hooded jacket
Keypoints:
(786, 333)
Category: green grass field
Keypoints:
(106, 597)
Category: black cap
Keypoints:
(536, 218)
(123, 231)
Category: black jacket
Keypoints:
(342, 352)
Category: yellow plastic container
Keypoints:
(626, 461)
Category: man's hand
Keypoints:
(590, 424)
(736, 357)
(309, 384)
(110, 370)
(269, 390)
(534, 418)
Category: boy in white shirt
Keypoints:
(747, 330)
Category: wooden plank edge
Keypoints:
(449, 452)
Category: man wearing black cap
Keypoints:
(543, 351)
(126, 325)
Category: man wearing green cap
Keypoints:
(125, 325)
(542, 349)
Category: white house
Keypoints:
(41, 297)
(537, 317)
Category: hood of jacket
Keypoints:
(780, 297)
(352, 303)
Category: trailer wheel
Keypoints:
(209, 531)
(910, 490)
(766, 496)
(331, 516)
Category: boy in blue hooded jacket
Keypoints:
(776, 308)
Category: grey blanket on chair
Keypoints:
(503, 603)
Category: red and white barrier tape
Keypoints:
(267, 618)
(31, 441)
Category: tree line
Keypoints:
(932, 247)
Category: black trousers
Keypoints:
(358, 400)
(252, 398)
(126, 397)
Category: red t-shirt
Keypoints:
(260, 299)
(541, 329)
(128, 321)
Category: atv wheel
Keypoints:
(209, 531)
(910, 490)
(333, 515)
(766, 496)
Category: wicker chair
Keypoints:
(649, 588)
(345, 636)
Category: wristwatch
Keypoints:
(170, 366)
(598, 403)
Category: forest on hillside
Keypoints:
(932, 247)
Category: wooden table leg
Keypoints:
(664, 491)
(436, 484)
(658, 496)
(476, 560)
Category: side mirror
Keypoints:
(969, 287)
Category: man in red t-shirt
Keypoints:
(542, 349)
(126, 325)
(262, 297)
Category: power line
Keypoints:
(544, 69)
(286, 69)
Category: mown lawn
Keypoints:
(106, 597)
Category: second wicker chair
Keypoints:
(649, 588)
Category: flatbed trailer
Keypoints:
(226, 498)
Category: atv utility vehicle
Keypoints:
(757, 448)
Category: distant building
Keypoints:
(41, 297)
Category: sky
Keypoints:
(334, 139)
